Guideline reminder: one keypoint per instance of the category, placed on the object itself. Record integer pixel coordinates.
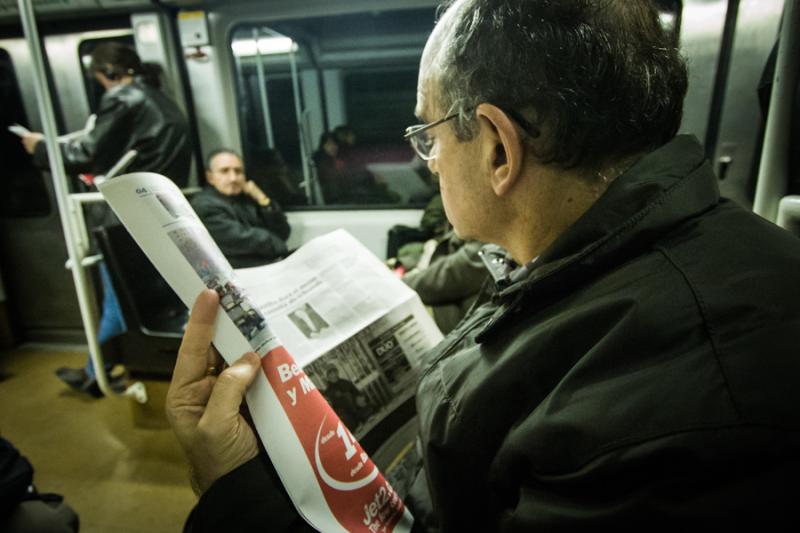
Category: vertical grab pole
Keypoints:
(262, 93)
(45, 104)
(301, 131)
(773, 172)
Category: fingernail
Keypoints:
(252, 358)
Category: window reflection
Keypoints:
(323, 103)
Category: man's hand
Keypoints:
(255, 192)
(30, 140)
(203, 408)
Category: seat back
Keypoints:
(147, 301)
(154, 314)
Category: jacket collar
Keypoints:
(212, 191)
(664, 188)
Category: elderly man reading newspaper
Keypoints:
(637, 363)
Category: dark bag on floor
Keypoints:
(16, 478)
(22, 508)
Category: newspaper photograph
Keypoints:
(357, 331)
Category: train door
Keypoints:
(41, 291)
(41, 295)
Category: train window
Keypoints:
(23, 192)
(94, 91)
(353, 77)
(377, 103)
(270, 132)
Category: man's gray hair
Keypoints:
(593, 81)
(214, 153)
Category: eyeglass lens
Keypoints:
(423, 144)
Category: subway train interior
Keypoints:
(267, 79)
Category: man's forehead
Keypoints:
(423, 109)
(226, 160)
(433, 58)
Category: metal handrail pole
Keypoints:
(262, 93)
(308, 169)
(60, 184)
(304, 148)
(773, 170)
(789, 214)
(79, 222)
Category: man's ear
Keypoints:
(505, 147)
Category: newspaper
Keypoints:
(329, 321)
(21, 131)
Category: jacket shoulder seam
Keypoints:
(707, 324)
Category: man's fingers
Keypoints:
(215, 362)
(228, 393)
(193, 355)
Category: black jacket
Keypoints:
(644, 373)
(248, 234)
(131, 116)
(16, 478)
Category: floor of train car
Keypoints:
(116, 473)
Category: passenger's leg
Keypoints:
(111, 324)
(111, 321)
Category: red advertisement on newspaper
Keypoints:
(357, 494)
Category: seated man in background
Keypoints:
(449, 279)
(249, 227)
(433, 225)
(445, 270)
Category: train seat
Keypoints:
(154, 314)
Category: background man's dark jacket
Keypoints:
(451, 282)
(248, 234)
(644, 373)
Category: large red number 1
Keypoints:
(348, 440)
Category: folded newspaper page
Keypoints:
(22, 131)
(329, 322)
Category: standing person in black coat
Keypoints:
(248, 226)
(133, 115)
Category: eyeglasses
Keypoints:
(424, 145)
(421, 142)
